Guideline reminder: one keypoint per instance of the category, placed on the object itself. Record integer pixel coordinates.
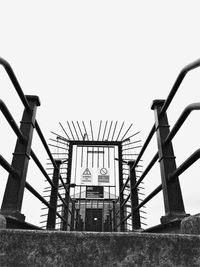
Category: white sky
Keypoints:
(103, 60)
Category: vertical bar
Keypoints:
(98, 140)
(104, 130)
(136, 224)
(80, 203)
(91, 130)
(103, 215)
(121, 197)
(173, 201)
(13, 196)
(99, 131)
(72, 216)
(92, 140)
(114, 216)
(120, 130)
(114, 130)
(109, 210)
(81, 156)
(126, 132)
(86, 134)
(67, 193)
(51, 218)
(75, 130)
(70, 130)
(79, 129)
(109, 130)
(64, 131)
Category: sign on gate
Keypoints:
(94, 191)
(103, 175)
(86, 176)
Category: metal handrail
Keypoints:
(185, 165)
(173, 132)
(15, 82)
(167, 102)
(177, 84)
(8, 167)
(23, 98)
(186, 112)
(19, 134)
(11, 121)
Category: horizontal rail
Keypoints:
(144, 147)
(45, 144)
(23, 98)
(8, 167)
(148, 168)
(10, 170)
(167, 102)
(179, 123)
(186, 164)
(11, 121)
(15, 82)
(177, 84)
(65, 187)
(34, 157)
(36, 194)
(125, 201)
(186, 112)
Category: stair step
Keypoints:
(85, 249)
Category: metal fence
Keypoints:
(125, 211)
(173, 201)
(16, 184)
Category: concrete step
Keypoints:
(85, 249)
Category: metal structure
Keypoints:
(95, 160)
(109, 152)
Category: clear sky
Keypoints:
(92, 60)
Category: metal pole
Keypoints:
(173, 201)
(13, 196)
(114, 217)
(121, 197)
(67, 193)
(51, 218)
(136, 224)
(72, 216)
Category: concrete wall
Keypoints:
(45, 248)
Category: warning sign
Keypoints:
(86, 176)
(94, 192)
(103, 175)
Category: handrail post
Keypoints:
(51, 218)
(136, 224)
(114, 216)
(67, 193)
(13, 196)
(121, 198)
(72, 216)
(173, 201)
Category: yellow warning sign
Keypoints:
(86, 176)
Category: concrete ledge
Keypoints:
(170, 227)
(191, 225)
(46, 248)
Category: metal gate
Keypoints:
(95, 166)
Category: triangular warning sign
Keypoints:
(87, 172)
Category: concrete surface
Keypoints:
(50, 248)
(191, 225)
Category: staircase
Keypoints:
(84, 249)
